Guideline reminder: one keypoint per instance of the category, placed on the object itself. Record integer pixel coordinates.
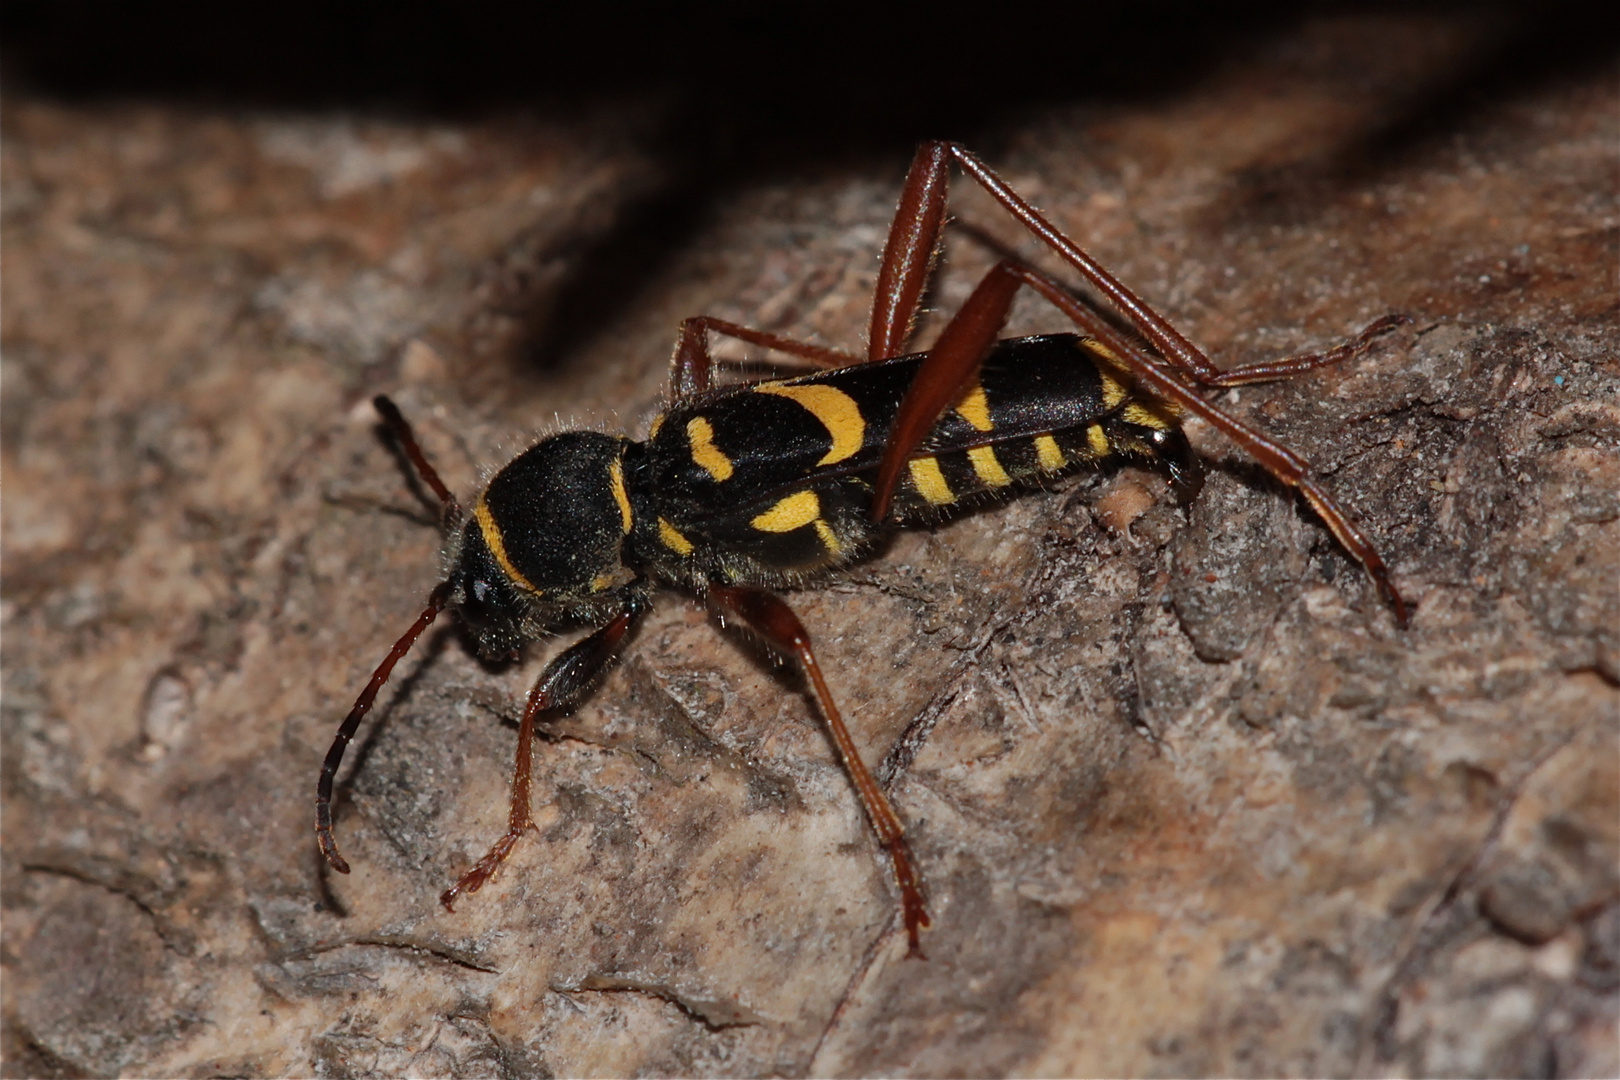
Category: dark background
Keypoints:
(740, 94)
(752, 86)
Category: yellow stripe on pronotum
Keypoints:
(497, 545)
(620, 496)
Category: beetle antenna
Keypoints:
(362, 705)
(449, 509)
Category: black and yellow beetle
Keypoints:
(746, 488)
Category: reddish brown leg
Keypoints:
(1269, 370)
(948, 371)
(771, 618)
(449, 509)
(907, 259)
(909, 253)
(351, 723)
(561, 684)
(954, 362)
(1165, 338)
(692, 370)
(914, 237)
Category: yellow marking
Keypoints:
(1145, 415)
(1155, 414)
(1049, 453)
(620, 496)
(793, 512)
(658, 422)
(989, 469)
(835, 409)
(975, 409)
(930, 482)
(829, 539)
(704, 452)
(1102, 350)
(1097, 439)
(673, 539)
(497, 545)
(600, 582)
(1113, 390)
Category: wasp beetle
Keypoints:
(746, 488)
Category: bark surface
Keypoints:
(1186, 800)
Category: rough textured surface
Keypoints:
(1186, 800)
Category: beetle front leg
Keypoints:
(561, 684)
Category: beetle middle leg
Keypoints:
(560, 685)
(692, 369)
